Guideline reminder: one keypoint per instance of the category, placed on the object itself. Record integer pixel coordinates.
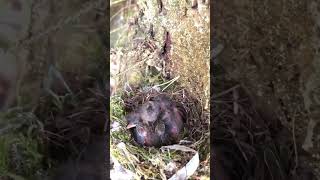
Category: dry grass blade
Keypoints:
(225, 92)
(115, 2)
(294, 142)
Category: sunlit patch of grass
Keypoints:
(116, 108)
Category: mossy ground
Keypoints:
(21, 151)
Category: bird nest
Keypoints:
(153, 162)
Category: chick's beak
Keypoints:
(129, 126)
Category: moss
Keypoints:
(20, 149)
(4, 155)
(19, 155)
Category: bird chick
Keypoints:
(173, 123)
(149, 112)
(157, 122)
(141, 129)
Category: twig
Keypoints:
(83, 112)
(172, 81)
(226, 91)
(132, 67)
(168, 82)
(216, 51)
(241, 150)
(116, 2)
(229, 101)
(118, 29)
(235, 101)
(266, 162)
(294, 140)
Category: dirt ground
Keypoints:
(271, 50)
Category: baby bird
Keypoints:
(173, 126)
(149, 112)
(146, 114)
(141, 132)
(157, 122)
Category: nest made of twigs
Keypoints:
(196, 131)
